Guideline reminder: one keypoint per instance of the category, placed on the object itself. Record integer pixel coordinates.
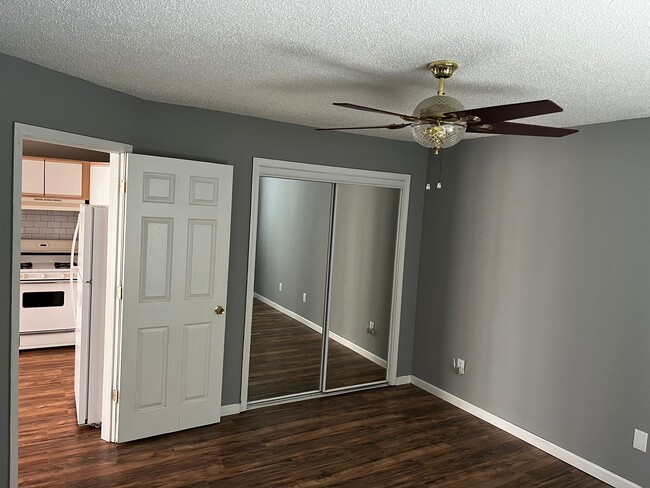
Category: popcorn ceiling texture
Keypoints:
(48, 224)
(289, 61)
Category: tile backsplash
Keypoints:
(48, 224)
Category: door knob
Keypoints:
(219, 310)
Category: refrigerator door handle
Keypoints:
(75, 236)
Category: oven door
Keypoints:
(46, 309)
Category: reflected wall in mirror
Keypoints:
(292, 259)
(363, 262)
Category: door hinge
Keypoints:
(116, 395)
(120, 293)
(123, 186)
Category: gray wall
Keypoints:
(293, 244)
(535, 269)
(37, 96)
(363, 258)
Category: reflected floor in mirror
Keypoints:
(285, 358)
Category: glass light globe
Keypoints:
(443, 134)
(438, 134)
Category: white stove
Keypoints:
(46, 305)
(40, 267)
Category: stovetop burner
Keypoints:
(27, 265)
(60, 265)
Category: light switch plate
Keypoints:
(640, 440)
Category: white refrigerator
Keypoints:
(89, 301)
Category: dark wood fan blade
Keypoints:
(515, 129)
(389, 126)
(408, 118)
(499, 113)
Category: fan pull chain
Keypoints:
(439, 185)
(428, 187)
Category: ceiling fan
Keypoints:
(441, 121)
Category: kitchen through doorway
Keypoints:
(62, 196)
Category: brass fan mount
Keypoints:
(442, 70)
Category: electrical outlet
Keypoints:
(304, 297)
(640, 440)
(280, 286)
(370, 328)
(459, 366)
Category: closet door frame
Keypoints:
(327, 174)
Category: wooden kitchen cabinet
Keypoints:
(33, 176)
(58, 178)
(64, 179)
(100, 175)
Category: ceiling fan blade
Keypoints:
(408, 118)
(389, 126)
(511, 111)
(512, 128)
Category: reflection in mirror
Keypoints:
(293, 234)
(363, 261)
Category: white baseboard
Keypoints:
(359, 350)
(341, 340)
(532, 439)
(233, 409)
(288, 312)
(403, 380)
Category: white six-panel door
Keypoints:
(177, 234)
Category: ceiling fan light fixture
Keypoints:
(438, 135)
(440, 121)
(441, 133)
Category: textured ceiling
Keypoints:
(289, 61)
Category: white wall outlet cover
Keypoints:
(640, 440)
(459, 366)
(280, 287)
(304, 297)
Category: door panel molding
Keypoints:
(201, 253)
(156, 259)
(196, 365)
(153, 349)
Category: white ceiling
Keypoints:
(289, 61)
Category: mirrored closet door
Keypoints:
(325, 258)
(361, 284)
(292, 260)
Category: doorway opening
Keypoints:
(58, 179)
(324, 284)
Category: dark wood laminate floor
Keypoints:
(399, 436)
(285, 358)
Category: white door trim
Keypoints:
(328, 174)
(24, 131)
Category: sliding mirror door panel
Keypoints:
(361, 284)
(292, 260)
